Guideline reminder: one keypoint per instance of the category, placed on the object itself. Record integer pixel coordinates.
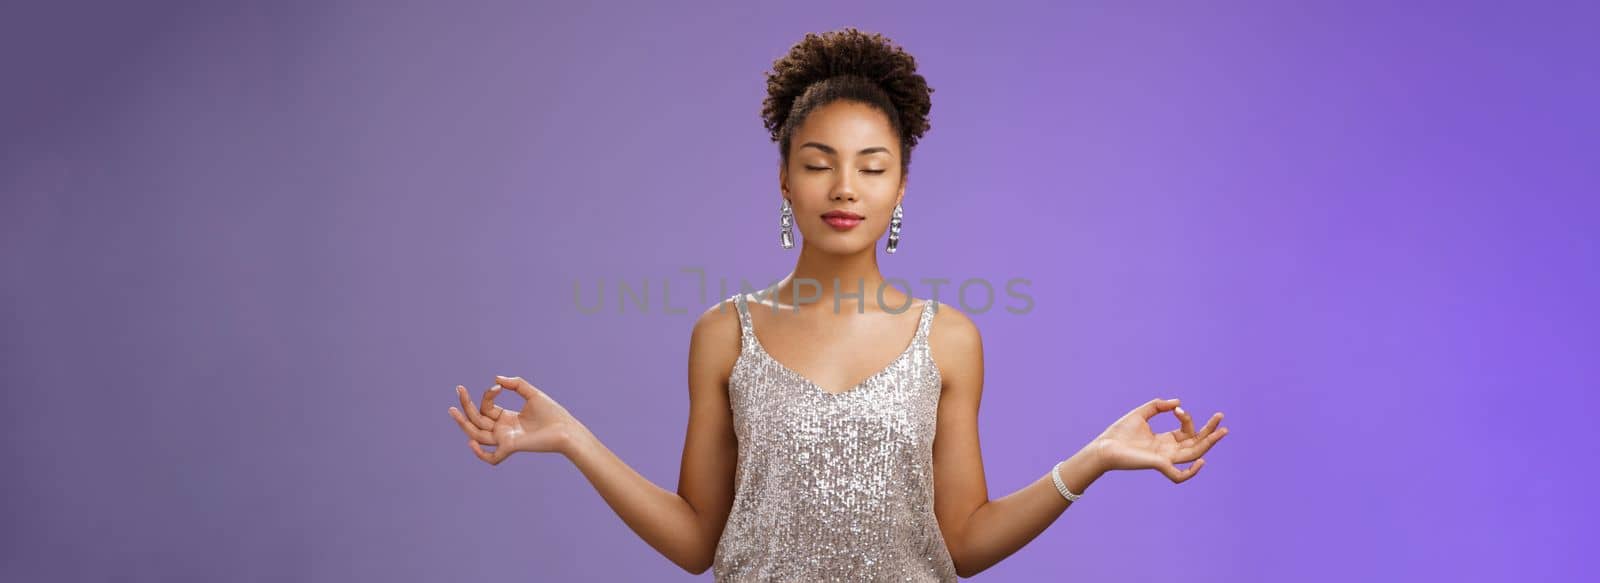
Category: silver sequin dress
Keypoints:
(833, 487)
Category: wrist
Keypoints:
(1094, 458)
(576, 440)
(1077, 473)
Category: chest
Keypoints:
(895, 407)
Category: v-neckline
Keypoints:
(916, 335)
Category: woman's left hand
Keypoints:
(1129, 444)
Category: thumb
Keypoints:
(1155, 407)
(518, 384)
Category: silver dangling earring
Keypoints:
(894, 228)
(787, 222)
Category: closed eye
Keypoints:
(818, 168)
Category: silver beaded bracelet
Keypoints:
(1055, 474)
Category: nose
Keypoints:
(844, 192)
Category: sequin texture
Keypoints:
(833, 486)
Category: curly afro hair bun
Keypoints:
(853, 65)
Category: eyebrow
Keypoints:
(830, 150)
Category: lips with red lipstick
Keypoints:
(842, 220)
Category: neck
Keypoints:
(819, 277)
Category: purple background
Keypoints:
(250, 248)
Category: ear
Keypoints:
(783, 179)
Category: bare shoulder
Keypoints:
(955, 342)
(714, 343)
(720, 319)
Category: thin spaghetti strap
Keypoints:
(746, 328)
(925, 321)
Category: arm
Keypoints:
(686, 525)
(981, 532)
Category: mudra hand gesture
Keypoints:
(1128, 444)
(542, 425)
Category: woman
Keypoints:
(807, 458)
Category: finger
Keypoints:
(1155, 407)
(1198, 438)
(492, 459)
(1179, 476)
(1201, 445)
(522, 387)
(472, 410)
(476, 434)
(1211, 425)
(488, 408)
(1186, 423)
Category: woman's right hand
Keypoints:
(542, 425)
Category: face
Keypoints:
(845, 158)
